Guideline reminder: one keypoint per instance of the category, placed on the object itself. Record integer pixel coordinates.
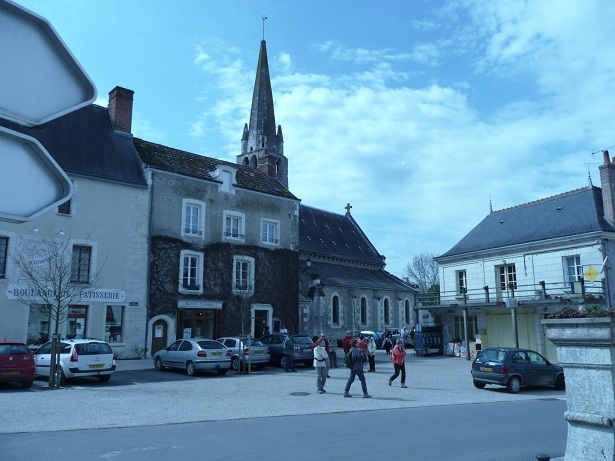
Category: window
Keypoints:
(572, 268)
(462, 283)
(114, 324)
(270, 232)
(459, 330)
(64, 208)
(227, 180)
(363, 311)
(243, 274)
(387, 313)
(77, 322)
(233, 225)
(508, 275)
(80, 265)
(190, 272)
(335, 310)
(193, 218)
(4, 251)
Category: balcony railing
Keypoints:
(580, 291)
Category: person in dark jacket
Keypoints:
(358, 360)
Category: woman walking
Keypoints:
(398, 357)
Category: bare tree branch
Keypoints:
(423, 271)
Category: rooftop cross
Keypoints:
(264, 19)
(348, 207)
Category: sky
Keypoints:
(423, 115)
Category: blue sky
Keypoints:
(418, 113)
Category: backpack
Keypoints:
(348, 360)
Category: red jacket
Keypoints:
(346, 344)
(398, 355)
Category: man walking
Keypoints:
(358, 359)
(289, 352)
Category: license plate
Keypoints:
(486, 369)
(258, 352)
(9, 373)
(97, 365)
(217, 353)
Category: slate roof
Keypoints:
(572, 213)
(197, 166)
(84, 143)
(335, 235)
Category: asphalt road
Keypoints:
(144, 414)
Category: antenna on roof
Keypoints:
(264, 19)
(490, 205)
(589, 178)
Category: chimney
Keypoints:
(120, 109)
(607, 182)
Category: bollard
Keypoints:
(543, 457)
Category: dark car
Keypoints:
(303, 348)
(16, 363)
(514, 368)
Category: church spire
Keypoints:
(261, 145)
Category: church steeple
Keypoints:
(261, 146)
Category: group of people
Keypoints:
(362, 350)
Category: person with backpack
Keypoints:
(289, 351)
(398, 356)
(355, 358)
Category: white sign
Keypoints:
(102, 295)
(199, 303)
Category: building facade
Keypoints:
(520, 264)
(100, 236)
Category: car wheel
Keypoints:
(26, 384)
(222, 371)
(560, 383)
(158, 364)
(190, 369)
(235, 363)
(479, 385)
(104, 378)
(283, 361)
(513, 385)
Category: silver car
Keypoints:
(78, 358)
(194, 355)
(246, 350)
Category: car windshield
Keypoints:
(211, 345)
(302, 340)
(492, 355)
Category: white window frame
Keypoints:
(576, 267)
(270, 236)
(198, 259)
(241, 226)
(227, 177)
(462, 281)
(238, 285)
(188, 229)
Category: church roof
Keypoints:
(197, 166)
(572, 213)
(335, 235)
(84, 143)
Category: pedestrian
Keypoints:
(398, 357)
(387, 342)
(333, 352)
(358, 359)
(371, 353)
(283, 329)
(320, 357)
(362, 344)
(346, 341)
(326, 345)
(289, 352)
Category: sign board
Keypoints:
(512, 302)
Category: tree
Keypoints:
(423, 271)
(52, 276)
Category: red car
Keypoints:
(16, 363)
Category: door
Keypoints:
(159, 335)
(260, 322)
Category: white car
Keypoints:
(250, 350)
(78, 358)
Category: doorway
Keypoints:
(77, 320)
(159, 335)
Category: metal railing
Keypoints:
(581, 291)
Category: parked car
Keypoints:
(16, 363)
(78, 358)
(252, 351)
(514, 368)
(303, 348)
(376, 336)
(194, 355)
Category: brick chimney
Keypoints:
(120, 109)
(607, 182)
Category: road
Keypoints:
(144, 414)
